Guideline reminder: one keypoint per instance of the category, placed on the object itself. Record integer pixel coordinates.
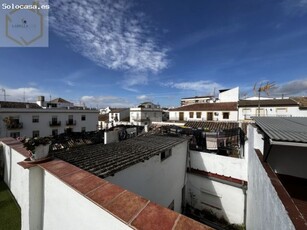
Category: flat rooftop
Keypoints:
(105, 160)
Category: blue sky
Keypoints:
(119, 53)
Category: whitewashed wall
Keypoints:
(138, 116)
(48, 203)
(160, 182)
(64, 208)
(174, 116)
(231, 95)
(45, 116)
(222, 165)
(247, 112)
(264, 208)
(222, 199)
(17, 179)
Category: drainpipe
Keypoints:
(188, 164)
(244, 188)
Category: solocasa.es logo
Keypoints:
(26, 25)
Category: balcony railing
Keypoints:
(71, 122)
(54, 123)
(14, 125)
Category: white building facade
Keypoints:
(38, 122)
(145, 113)
(271, 107)
(218, 111)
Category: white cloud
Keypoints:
(292, 88)
(105, 101)
(28, 94)
(110, 33)
(143, 97)
(199, 86)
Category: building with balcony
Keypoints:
(145, 113)
(19, 119)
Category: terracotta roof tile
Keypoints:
(18, 105)
(187, 223)
(155, 217)
(219, 106)
(126, 205)
(105, 193)
(60, 169)
(263, 103)
(59, 100)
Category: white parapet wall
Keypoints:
(265, 210)
(222, 199)
(64, 208)
(226, 166)
(48, 203)
(17, 179)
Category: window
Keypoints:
(54, 132)
(54, 119)
(15, 134)
(209, 116)
(166, 154)
(225, 115)
(198, 115)
(191, 114)
(83, 118)
(35, 119)
(35, 133)
(83, 129)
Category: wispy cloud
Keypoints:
(105, 101)
(199, 86)
(111, 34)
(132, 80)
(295, 7)
(144, 98)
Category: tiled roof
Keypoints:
(117, 110)
(291, 129)
(134, 210)
(214, 126)
(103, 117)
(273, 102)
(59, 100)
(219, 106)
(18, 105)
(196, 97)
(105, 160)
(302, 101)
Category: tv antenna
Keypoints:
(262, 88)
